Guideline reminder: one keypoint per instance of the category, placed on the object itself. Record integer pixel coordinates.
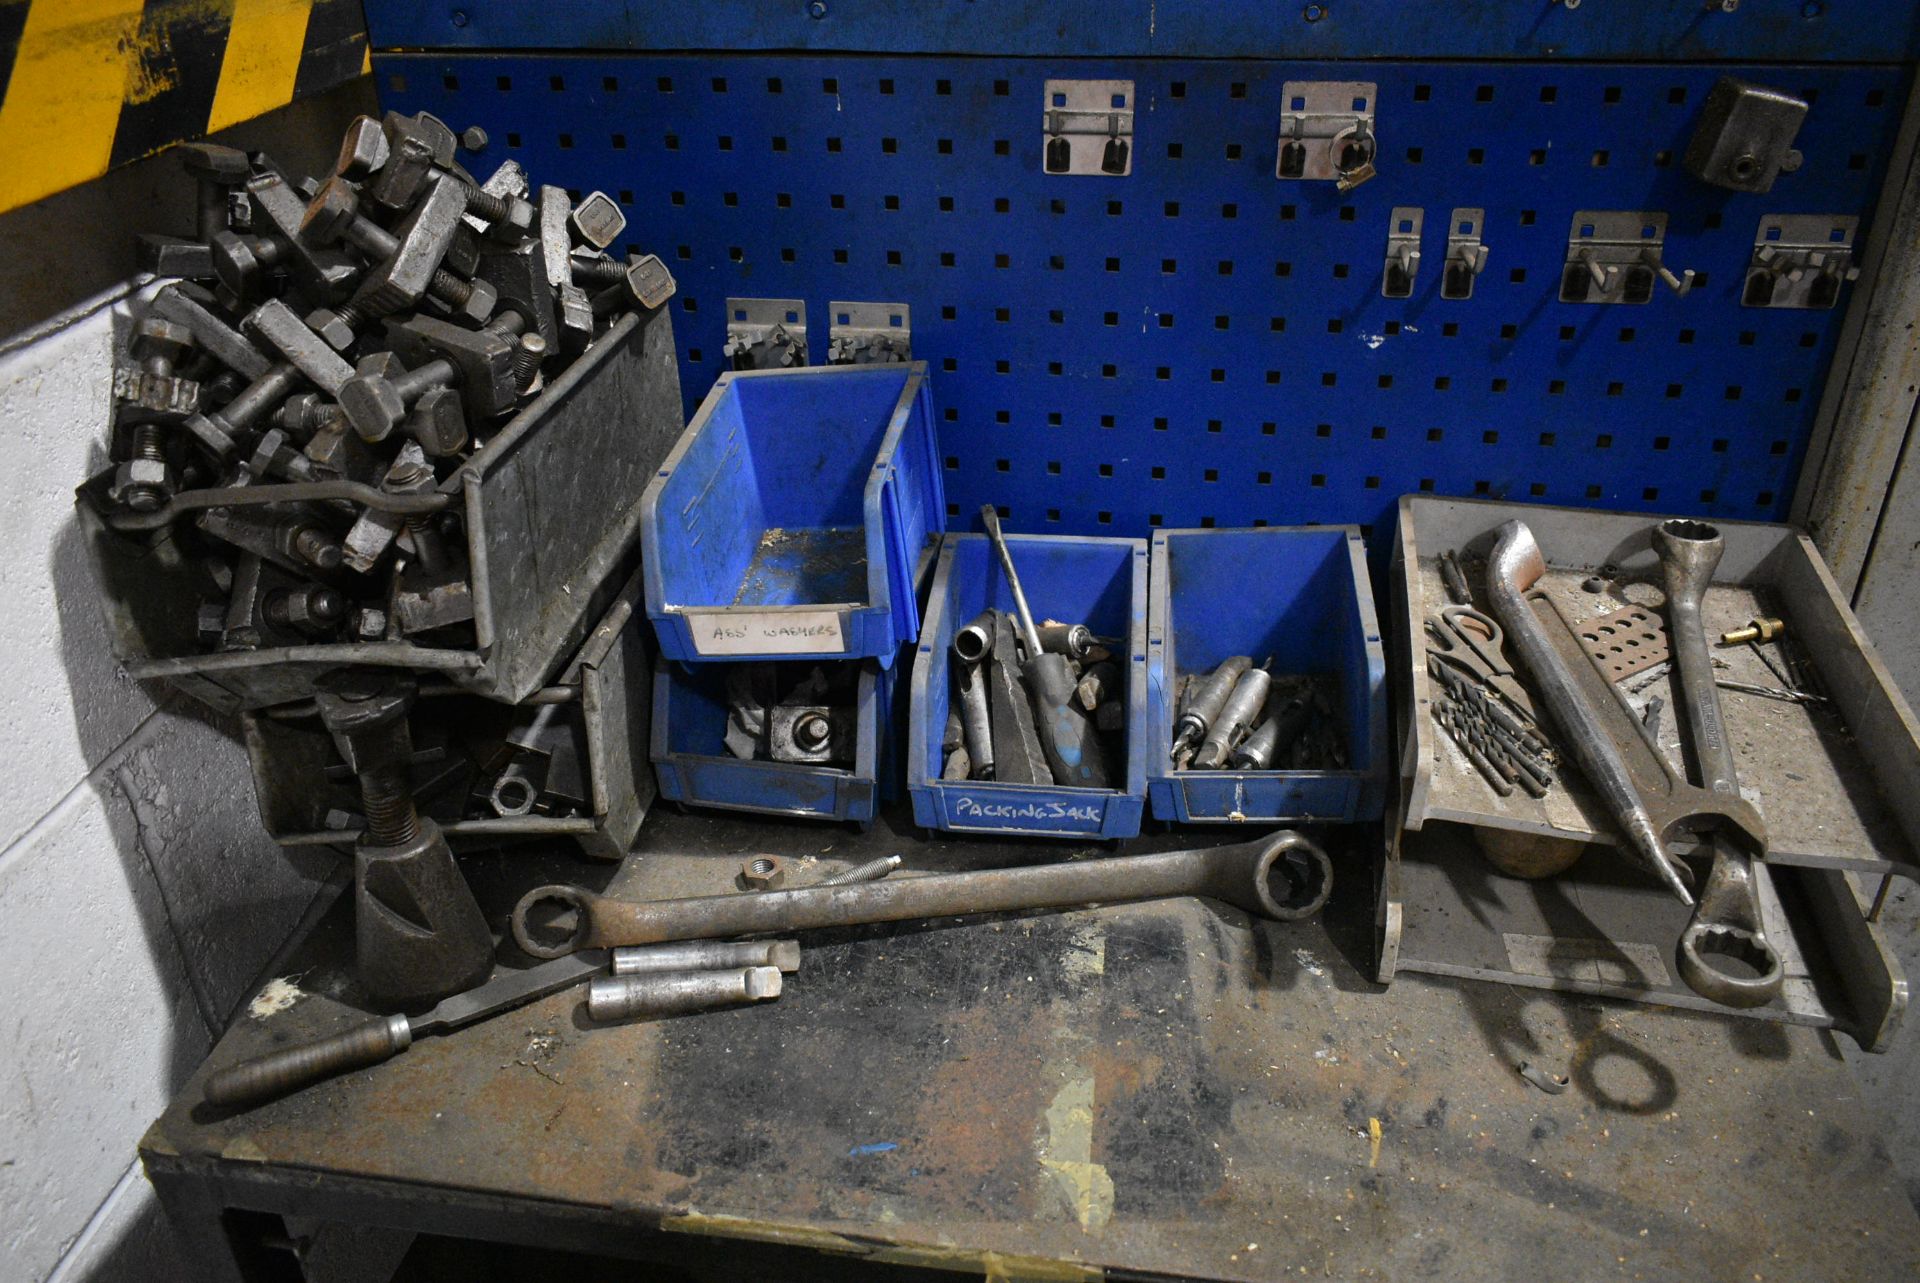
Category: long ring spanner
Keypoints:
(1282, 876)
(1727, 922)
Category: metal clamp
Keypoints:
(1615, 255)
(1326, 131)
(1800, 260)
(1088, 128)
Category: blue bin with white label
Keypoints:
(1300, 596)
(1099, 582)
(787, 521)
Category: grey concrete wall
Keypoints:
(139, 895)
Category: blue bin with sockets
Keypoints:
(787, 522)
(1099, 582)
(1302, 595)
(693, 765)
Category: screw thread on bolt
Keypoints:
(598, 271)
(450, 289)
(528, 352)
(485, 205)
(386, 795)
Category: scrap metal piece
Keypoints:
(672, 993)
(706, 955)
(1627, 641)
(1283, 876)
(871, 871)
(1551, 1083)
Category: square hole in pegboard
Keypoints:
(1110, 281)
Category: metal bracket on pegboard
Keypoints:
(766, 333)
(1326, 131)
(1403, 251)
(1089, 127)
(1800, 260)
(1466, 253)
(869, 333)
(1614, 256)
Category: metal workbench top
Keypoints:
(1158, 1090)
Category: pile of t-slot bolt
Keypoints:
(334, 350)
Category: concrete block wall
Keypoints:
(139, 894)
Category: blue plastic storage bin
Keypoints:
(787, 521)
(1099, 582)
(1300, 594)
(693, 766)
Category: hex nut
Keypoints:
(372, 406)
(481, 301)
(762, 872)
(438, 421)
(333, 331)
(139, 472)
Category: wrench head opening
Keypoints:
(550, 921)
(1689, 551)
(1730, 965)
(1292, 878)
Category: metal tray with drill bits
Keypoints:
(1826, 746)
(1524, 889)
(571, 760)
(393, 417)
(1293, 605)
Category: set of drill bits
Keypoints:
(1506, 749)
(1240, 717)
(292, 410)
(1031, 704)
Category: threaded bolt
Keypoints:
(386, 795)
(316, 549)
(598, 271)
(148, 445)
(450, 289)
(529, 350)
(485, 205)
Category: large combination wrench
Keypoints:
(1727, 922)
(1283, 875)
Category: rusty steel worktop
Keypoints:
(1156, 1091)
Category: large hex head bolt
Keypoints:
(407, 263)
(597, 220)
(645, 284)
(216, 171)
(419, 934)
(375, 400)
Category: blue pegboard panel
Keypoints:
(1654, 30)
(1200, 343)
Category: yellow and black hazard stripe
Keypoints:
(91, 84)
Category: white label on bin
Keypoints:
(768, 632)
